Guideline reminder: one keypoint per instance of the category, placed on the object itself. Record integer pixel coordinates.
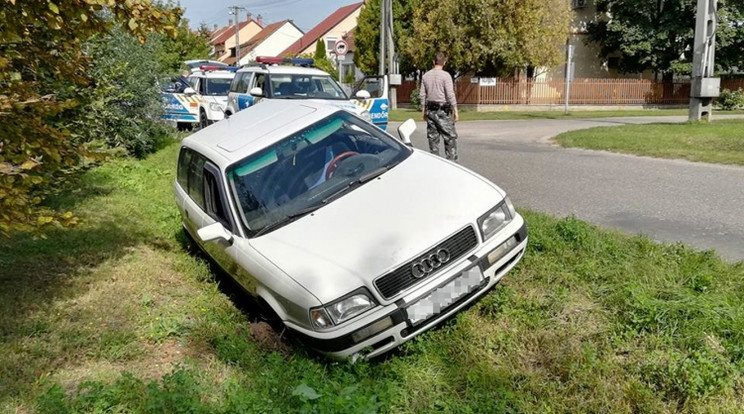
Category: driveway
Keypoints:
(699, 204)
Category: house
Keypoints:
(338, 26)
(271, 41)
(224, 39)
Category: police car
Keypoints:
(200, 98)
(295, 78)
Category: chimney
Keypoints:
(229, 22)
(259, 20)
(248, 17)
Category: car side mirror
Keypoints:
(405, 130)
(189, 91)
(257, 92)
(214, 232)
(362, 94)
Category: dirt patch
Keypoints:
(268, 339)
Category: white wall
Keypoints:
(275, 43)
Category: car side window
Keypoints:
(203, 86)
(245, 79)
(259, 81)
(183, 166)
(196, 179)
(214, 197)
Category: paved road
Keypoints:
(699, 204)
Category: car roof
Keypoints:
(220, 74)
(284, 69)
(253, 129)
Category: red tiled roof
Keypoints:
(256, 40)
(322, 28)
(227, 33)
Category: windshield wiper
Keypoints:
(361, 180)
(287, 219)
(372, 175)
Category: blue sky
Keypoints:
(305, 13)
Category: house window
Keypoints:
(330, 43)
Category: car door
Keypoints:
(378, 103)
(217, 210)
(244, 98)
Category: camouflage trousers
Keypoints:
(441, 126)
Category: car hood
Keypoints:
(379, 226)
(345, 105)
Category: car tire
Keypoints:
(203, 121)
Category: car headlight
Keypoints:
(214, 106)
(342, 310)
(366, 116)
(496, 218)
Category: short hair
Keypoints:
(439, 58)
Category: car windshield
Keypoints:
(217, 86)
(306, 87)
(309, 169)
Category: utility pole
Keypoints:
(383, 37)
(236, 11)
(704, 87)
(387, 51)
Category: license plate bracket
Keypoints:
(441, 298)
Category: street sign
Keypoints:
(340, 48)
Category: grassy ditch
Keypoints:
(719, 142)
(399, 115)
(119, 316)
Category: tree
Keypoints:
(43, 79)
(658, 35)
(367, 34)
(489, 37)
(322, 61)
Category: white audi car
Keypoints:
(353, 239)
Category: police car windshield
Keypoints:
(309, 169)
(286, 86)
(216, 86)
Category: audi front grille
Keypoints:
(403, 277)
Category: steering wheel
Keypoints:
(333, 164)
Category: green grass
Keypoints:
(399, 115)
(719, 142)
(117, 316)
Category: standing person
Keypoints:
(439, 105)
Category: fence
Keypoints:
(583, 92)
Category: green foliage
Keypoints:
(658, 36)
(416, 98)
(322, 61)
(488, 37)
(183, 45)
(43, 74)
(367, 35)
(124, 108)
(730, 100)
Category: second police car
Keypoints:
(295, 78)
(201, 98)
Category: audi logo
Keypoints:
(429, 263)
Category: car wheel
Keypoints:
(203, 121)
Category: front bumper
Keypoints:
(391, 326)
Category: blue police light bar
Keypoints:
(278, 60)
(303, 62)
